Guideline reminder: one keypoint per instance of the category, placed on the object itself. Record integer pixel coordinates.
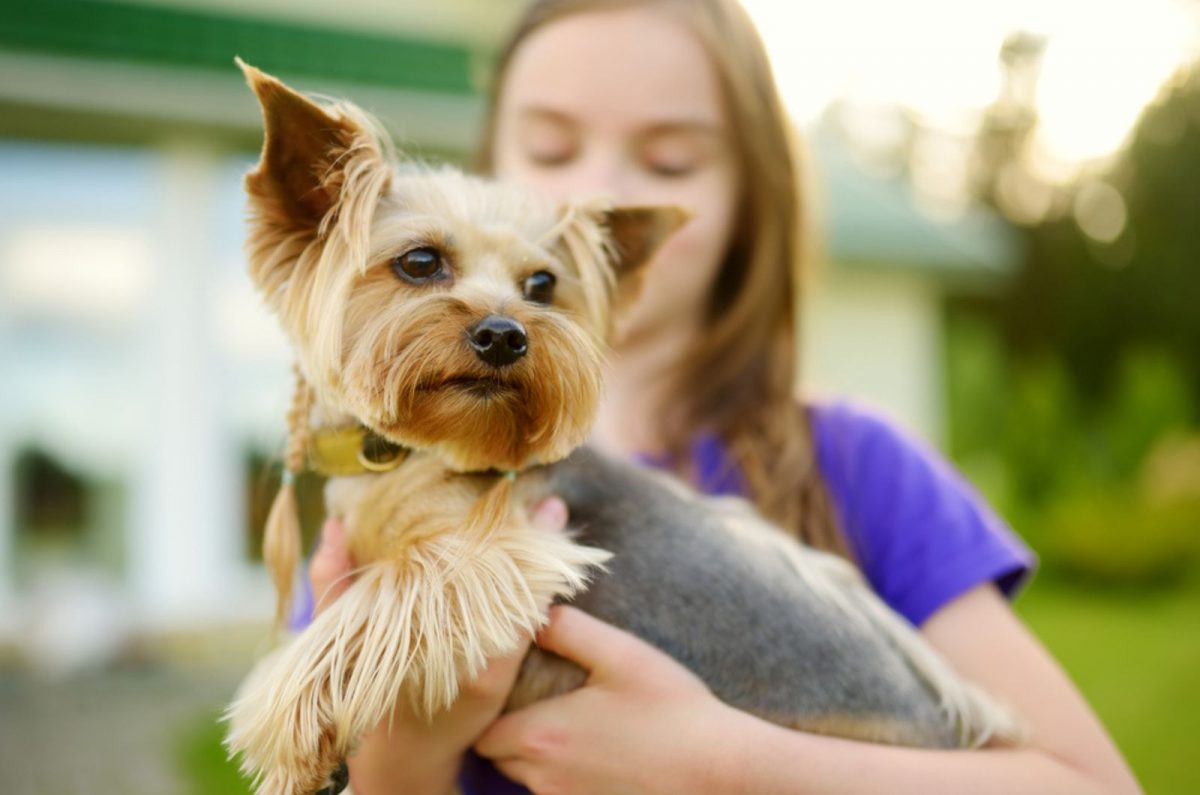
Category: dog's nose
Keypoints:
(498, 340)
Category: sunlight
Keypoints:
(1099, 76)
(938, 59)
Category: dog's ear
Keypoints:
(305, 155)
(636, 234)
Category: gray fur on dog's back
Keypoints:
(717, 590)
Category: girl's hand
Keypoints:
(417, 756)
(642, 723)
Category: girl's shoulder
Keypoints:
(921, 533)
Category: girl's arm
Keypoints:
(645, 724)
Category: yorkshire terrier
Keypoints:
(450, 337)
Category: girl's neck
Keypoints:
(638, 384)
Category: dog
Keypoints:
(450, 337)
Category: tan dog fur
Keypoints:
(452, 572)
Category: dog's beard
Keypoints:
(418, 383)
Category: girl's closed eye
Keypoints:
(548, 140)
(678, 151)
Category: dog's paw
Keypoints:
(338, 780)
(286, 740)
(322, 774)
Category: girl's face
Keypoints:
(627, 104)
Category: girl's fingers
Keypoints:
(550, 514)
(329, 565)
(509, 737)
(596, 646)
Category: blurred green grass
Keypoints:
(201, 761)
(1135, 655)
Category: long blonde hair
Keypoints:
(737, 380)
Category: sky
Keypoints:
(1104, 60)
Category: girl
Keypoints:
(672, 102)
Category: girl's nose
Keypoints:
(608, 175)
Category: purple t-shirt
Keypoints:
(919, 531)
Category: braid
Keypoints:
(298, 431)
(281, 537)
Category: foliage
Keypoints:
(1088, 299)
(1073, 392)
(1105, 487)
(1119, 537)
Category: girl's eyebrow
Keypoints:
(694, 126)
(700, 127)
(537, 112)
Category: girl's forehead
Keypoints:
(636, 66)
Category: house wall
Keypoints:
(142, 362)
(874, 334)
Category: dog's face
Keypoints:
(444, 312)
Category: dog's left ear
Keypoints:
(636, 234)
(306, 153)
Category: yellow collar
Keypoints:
(352, 450)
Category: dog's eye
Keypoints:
(539, 287)
(420, 265)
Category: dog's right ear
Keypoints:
(636, 234)
(306, 154)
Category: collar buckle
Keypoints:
(352, 450)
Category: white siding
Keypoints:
(875, 335)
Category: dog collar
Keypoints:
(352, 450)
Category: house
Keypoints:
(145, 381)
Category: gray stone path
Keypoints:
(115, 733)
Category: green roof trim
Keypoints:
(177, 37)
(874, 220)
